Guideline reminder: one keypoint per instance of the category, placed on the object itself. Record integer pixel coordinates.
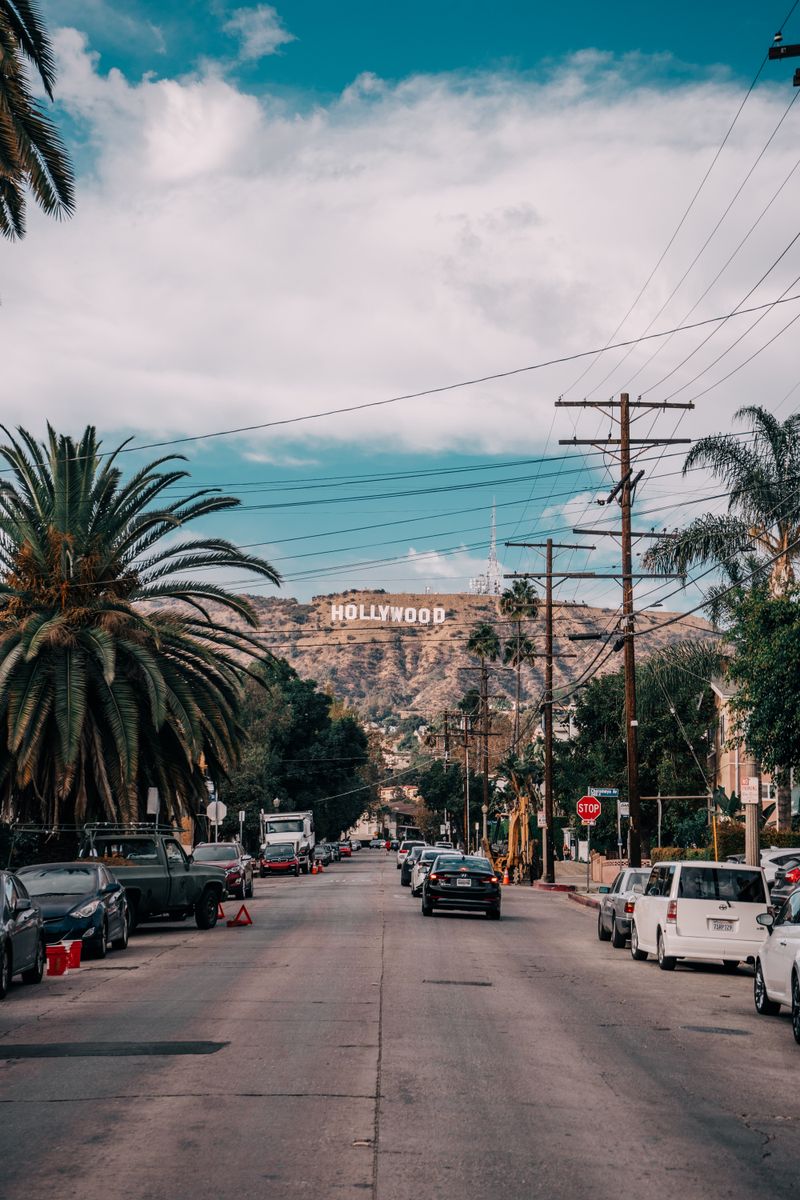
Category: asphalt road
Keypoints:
(344, 1046)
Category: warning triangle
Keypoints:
(220, 912)
(242, 918)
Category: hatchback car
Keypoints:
(79, 900)
(777, 973)
(421, 865)
(345, 850)
(460, 881)
(322, 854)
(407, 865)
(616, 905)
(404, 848)
(22, 948)
(702, 911)
(237, 865)
(279, 859)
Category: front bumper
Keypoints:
(71, 929)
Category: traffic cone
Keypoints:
(314, 870)
(319, 868)
(506, 880)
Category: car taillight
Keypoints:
(672, 912)
(433, 875)
(793, 876)
(491, 879)
(629, 906)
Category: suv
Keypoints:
(404, 849)
(237, 865)
(702, 911)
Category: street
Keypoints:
(343, 1046)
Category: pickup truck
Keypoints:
(161, 880)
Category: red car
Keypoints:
(280, 859)
(237, 865)
(345, 850)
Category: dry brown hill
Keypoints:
(403, 652)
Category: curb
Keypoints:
(554, 887)
(586, 901)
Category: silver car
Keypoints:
(616, 905)
(424, 860)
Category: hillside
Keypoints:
(407, 653)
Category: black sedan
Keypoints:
(460, 881)
(79, 900)
(22, 949)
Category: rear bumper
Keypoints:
(713, 948)
(463, 902)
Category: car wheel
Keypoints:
(636, 953)
(5, 972)
(602, 932)
(493, 914)
(100, 944)
(618, 939)
(121, 943)
(796, 1009)
(730, 966)
(427, 909)
(34, 974)
(764, 1006)
(205, 911)
(665, 961)
(404, 882)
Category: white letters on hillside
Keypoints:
(388, 613)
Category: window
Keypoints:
(791, 912)
(660, 881)
(174, 854)
(133, 850)
(61, 881)
(715, 883)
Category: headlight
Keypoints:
(86, 910)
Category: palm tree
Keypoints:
(119, 669)
(32, 154)
(760, 532)
(518, 604)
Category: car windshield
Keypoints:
(61, 881)
(408, 845)
(126, 849)
(445, 862)
(293, 825)
(271, 853)
(716, 883)
(429, 855)
(221, 852)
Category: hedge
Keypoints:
(730, 840)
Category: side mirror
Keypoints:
(604, 889)
(190, 859)
(766, 919)
(109, 889)
(22, 905)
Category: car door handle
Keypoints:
(782, 942)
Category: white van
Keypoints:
(701, 911)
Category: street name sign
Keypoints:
(589, 808)
(604, 793)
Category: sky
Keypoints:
(288, 210)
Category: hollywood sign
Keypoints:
(388, 613)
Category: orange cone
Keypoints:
(319, 868)
(505, 877)
(314, 869)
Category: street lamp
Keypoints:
(485, 812)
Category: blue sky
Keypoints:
(289, 209)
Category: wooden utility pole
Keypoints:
(624, 492)
(466, 781)
(485, 737)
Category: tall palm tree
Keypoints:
(761, 527)
(519, 603)
(32, 154)
(120, 670)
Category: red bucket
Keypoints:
(73, 950)
(56, 960)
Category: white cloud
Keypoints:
(260, 31)
(234, 261)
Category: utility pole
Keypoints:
(624, 492)
(547, 702)
(484, 735)
(466, 781)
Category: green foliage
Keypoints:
(442, 791)
(671, 853)
(104, 692)
(32, 155)
(298, 752)
(766, 666)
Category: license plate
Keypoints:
(463, 883)
(722, 926)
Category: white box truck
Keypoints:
(294, 827)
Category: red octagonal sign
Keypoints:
(589, 808)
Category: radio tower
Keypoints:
(490, 581)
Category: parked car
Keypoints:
(22, 947)
(334, 849)
(460, 881)
(377, 843)
(345, 850)
(279, 859)
(403, 849)
(161, 881)
(616, 905)
(79, 900)
(444, 845)
(237, 865)
(777, 973)
(423, 862)
(776, 857)
(355, 844)
(407, 865)
(322, 854)
(702, 911)
(787, 878)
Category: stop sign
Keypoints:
(589, 808)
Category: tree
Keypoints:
(117, 673)
(32, 154)
(519, 603)
(761, 527)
